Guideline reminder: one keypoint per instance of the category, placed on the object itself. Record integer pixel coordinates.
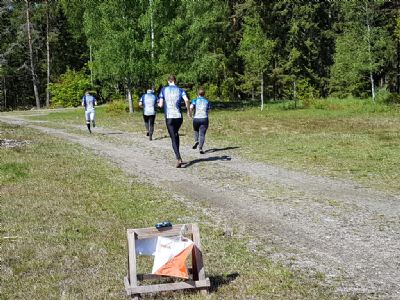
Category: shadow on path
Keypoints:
(218, 281)
(161, 138)
(214, 158)
(112, 133)
(220, 149)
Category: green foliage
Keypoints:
(305, 91)
(386, 97)
(212, 92)
(362, 48)
(397, 30)
(117, 106)
(255, 49)
(70, 89)
(228, 44)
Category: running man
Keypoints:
(171, 98)
(148, 102)
(89, 102)
(201, 106)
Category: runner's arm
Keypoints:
(160, 102)
(191, 109)
(186, 99)
(141, 102)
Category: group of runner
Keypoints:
(170, 98)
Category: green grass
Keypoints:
(64, 215)
(351, 139)
(355, 142)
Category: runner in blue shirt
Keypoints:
(201, 106)
(149, 101)
(171, 98)
(89, 102)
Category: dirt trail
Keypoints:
(347, 232)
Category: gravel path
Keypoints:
(347, 232)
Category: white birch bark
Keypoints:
(48, 53)
(130, 102)
(28, 24)
(262, 91)
(371, 77)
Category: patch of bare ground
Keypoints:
(10, 143)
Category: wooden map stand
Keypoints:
(197, 279)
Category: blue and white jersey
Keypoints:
(88, 102)
(172, 96)
(149, 102)
(202, 106)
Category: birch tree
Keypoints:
(114, 29)
(255, 49)
(31, 56)
(361, 48)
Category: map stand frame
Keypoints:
(197, 279)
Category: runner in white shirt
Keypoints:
(148, 102)
(200, 106)
(89, 102)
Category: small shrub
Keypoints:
(68, 91)
(308, 102)
(228, 88)
(384, 96)
(117, 106)
(305, 91)
(289, 105)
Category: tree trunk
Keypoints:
(371, 77)
(5, 92)
(35, 88)
(48, 53)
(398, 68)
(130, 102)
(91, 65)
(262, 91)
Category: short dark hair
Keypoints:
(201, 92)
(172, 78)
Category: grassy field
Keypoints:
(349, 139)
(64, 214)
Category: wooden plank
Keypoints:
(131, 258)
(127, 285)
(128, 291)
(175, 230)
(199, 281)
(155, 288)
(197, 256)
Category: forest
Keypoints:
(238, 50)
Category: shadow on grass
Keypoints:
(218, 281)
(212, 150)
(214, 158)
(161, 138)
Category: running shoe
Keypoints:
(179, 163)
